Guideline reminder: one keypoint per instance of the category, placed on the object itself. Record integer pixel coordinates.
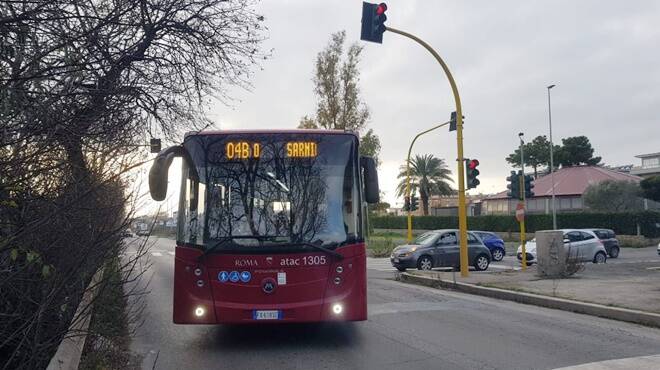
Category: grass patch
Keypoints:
(107, 345)
(383, 246)
(634, 241)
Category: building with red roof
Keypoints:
(570, 184)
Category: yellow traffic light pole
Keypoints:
(522, 223)
(408, 175)
(462, 214)
(523, 239)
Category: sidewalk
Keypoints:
(634, 285)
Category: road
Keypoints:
(409, 327)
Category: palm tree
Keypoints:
(428, 175)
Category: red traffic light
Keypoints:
(473, 164)
(382, 7)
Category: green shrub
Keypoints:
(621, 223)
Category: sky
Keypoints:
(603, 57)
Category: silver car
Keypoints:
(440, 248)
(581, 243)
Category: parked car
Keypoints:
(494, 243)
(609, 240)
(581, 243)
(142, 232)
(127, 233)
(658, 249)
(440, 248)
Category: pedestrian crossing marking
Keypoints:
(379, 264)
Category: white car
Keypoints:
(582, 243)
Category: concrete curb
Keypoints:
(70, 349)
(614, 313)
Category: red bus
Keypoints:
(271, 226)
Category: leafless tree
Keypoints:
(82, 83)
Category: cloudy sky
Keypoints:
(604, 57)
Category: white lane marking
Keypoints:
(379, 264)
(641, 362)
(399, 307)
(170, 253)
(156, 254)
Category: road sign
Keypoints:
(520, 212)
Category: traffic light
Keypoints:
(373, 22)
(471, 173)
(414, 203)
(514, 185)
(452, 121)
(406, 204)
(154, 144)
(529, 185)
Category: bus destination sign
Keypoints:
(248, 150)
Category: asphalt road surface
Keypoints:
(409, 327)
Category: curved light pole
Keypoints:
(462, 214)
(552, 163)
(408, 175)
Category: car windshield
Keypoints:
(264, 189)
(485, 236)
(602, 234)
(426, 238)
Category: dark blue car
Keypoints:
(494, 243)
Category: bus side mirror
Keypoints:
(160, 169)
(158, 176)
(371, 190)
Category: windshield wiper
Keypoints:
(226, 239)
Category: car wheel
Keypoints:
(424, 263)
(498, 254)
(481, 262)
(600, 257)
(402, 269)
(614, 252)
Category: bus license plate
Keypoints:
(267, 315)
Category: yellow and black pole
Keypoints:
(408, 175)
(462, 213)
(522, 204)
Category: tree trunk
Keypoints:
(425, 202)
(76, 159)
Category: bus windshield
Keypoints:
(267, 189)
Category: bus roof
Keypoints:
(271, 131)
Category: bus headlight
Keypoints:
(337, 308)
(200, 311)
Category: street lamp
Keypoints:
(522, 158)
(552, 163)
(408, 175)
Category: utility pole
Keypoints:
(552, 164)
